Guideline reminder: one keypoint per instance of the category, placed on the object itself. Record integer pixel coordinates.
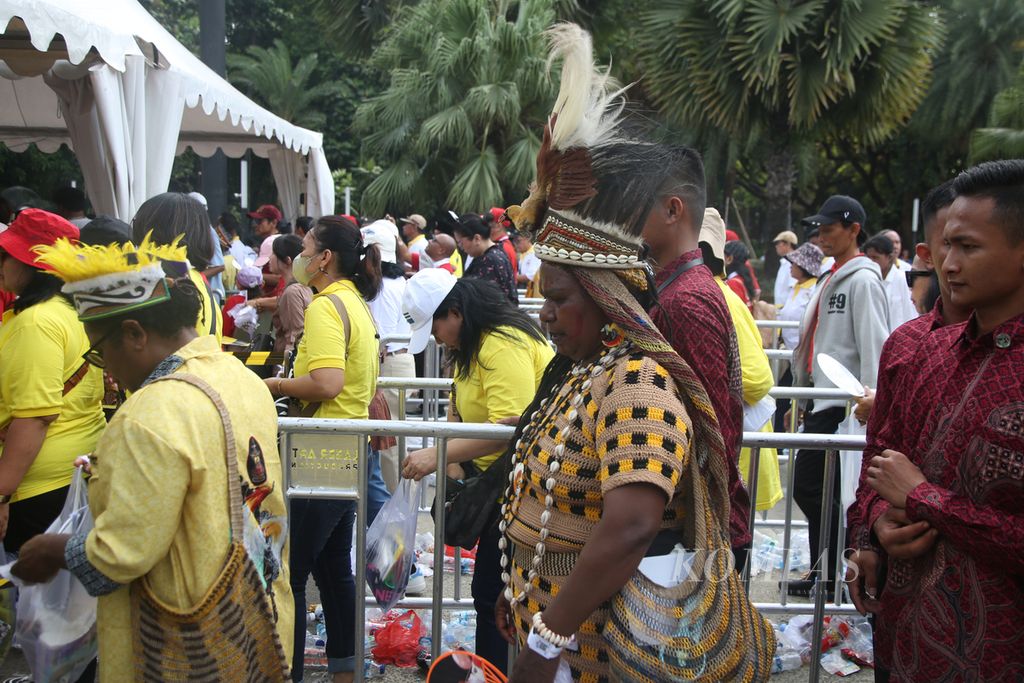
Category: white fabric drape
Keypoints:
(289, 170)
(124, 130)
(319, 185)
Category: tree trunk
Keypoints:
(781, 171)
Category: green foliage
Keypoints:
(269, 77)
(790, 67)
(767, 80)
(457, 124)
(1004, 136)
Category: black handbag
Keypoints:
(471, 506)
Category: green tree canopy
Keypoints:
(775, 76)
(269, 77)
(1004, 136)
(458, 125)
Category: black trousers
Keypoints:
(783, 404)
(32, 516)
(808, 488)
(486, 587)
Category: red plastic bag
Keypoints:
(398, 643)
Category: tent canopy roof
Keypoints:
(72, 36)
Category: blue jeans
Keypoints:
(376, 490)
(321, 544)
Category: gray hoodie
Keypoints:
(852, 325)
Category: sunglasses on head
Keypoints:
(912, 275)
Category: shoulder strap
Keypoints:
(346, 324)
(692, 263)
(231, 453)
(75, 378)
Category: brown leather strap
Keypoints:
(309, 410)
(76, 378)
(230, 451)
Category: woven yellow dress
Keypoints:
(630, 427)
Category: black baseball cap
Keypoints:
(105, 230)
(838, 207)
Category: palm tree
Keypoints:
(356, 23)
(458, 124)
(774, 76)
(1004, 138)
(269, 77)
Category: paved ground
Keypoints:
(764, 589)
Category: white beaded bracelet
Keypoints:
(547, 634)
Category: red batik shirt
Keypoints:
(956, 613)
(895, 367)
(694, 318)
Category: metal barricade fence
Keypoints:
(326, 459)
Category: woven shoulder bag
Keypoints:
(703, 629)
(230, 634)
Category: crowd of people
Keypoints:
(630, 394)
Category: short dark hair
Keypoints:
(937, 199)
(484, 308)
(171, 214)
(632, 176)
(228, 222)
(304, 223)
(472, 224)
(1003, 181)
(880, 243)
(69, 198)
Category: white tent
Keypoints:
(105, 78)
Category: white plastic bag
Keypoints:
(849, 464)
(390, 541)
(56, 621)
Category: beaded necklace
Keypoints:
(568, 395)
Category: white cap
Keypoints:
(424, 292)
(385, 235)
(199, 198)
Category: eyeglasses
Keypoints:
(914, 274)
(93, 356)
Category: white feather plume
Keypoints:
(590, 103)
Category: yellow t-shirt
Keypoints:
(159, 496)
(209, 315)
(40, 348)
(757, 382)
(502, 380)
(323, 346)
(456, 261)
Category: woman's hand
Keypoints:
(530, 667)
(274, 385)
(40, 558)
(503, 618)
(420, 463)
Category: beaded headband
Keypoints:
(567, 238)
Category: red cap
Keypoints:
(497, 213)
(267, 211)
(731, 236)
(32, 228)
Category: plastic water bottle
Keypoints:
(787, 661)
(372, 669)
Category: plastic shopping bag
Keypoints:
(389, 545)
(849, 464)
(56, 621)
(398, 643)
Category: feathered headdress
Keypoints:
(586, 115)
(110, 280)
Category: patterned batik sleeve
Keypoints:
(642, 432)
